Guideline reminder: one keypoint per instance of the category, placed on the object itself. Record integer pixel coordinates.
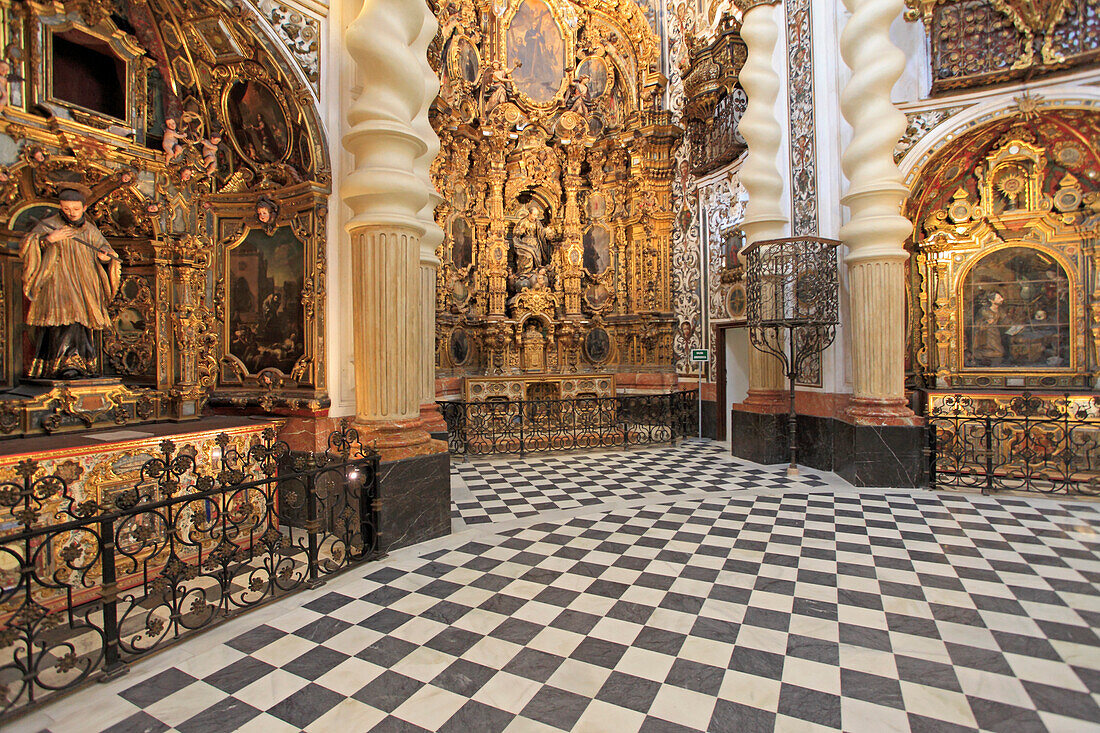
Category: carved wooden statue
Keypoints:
(70, 275)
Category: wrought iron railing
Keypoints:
(1023, 443)
(89, 585)
(532, 426)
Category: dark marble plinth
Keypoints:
(863, 455)
(759, 438)
(442, 435)
(710, 419)
(891, 455)
(414, 500)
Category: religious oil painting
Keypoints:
(465, 62)
(535, 41)
(257, 121)
(265, 300)
(26, 219)
(596, 71)
(597, 249)
(459, 347)
(733, 241)
(1016, 312)
(462, 244)
(597, 345)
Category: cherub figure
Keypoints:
(174, 141)
(210, 152)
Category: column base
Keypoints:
(870, 411)
(766, 401)
(398, 439)
(433, 421)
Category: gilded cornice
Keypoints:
(746, 5)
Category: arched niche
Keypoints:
(1004, 220)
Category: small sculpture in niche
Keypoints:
(534, 348)
(496, 86)
(580, 94)
(462, 247)
(530, 240)
(70, 275)
(597, 249)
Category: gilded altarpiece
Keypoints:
(556, 167)
(183, 121)
(1005, 267)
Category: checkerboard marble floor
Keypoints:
(500, 489)
(781, 607)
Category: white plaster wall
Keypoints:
(916, 79)
(833, 134)
(738, 349)
(782, 112)
(340, 85)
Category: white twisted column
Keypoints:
(387, 196)
(433, 235)
(876, 232)
(760, 175)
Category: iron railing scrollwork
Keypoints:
(532, 426)
(89, 584)
(1026, 443)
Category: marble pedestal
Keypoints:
(414, 500)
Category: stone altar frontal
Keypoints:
(98, 465)
(539, 387)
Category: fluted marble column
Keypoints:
(387, 195)
(764, 218)
(876, 233)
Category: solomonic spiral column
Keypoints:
(433, 235)
(388, 191)
(876, 233)
(764, 218)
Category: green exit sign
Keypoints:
(700, 355)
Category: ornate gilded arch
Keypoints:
(1026, 190)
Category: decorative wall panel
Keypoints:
(803, 128)
(687, 263)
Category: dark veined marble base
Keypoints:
(414, 500)
(863, 455)
(710, 419)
